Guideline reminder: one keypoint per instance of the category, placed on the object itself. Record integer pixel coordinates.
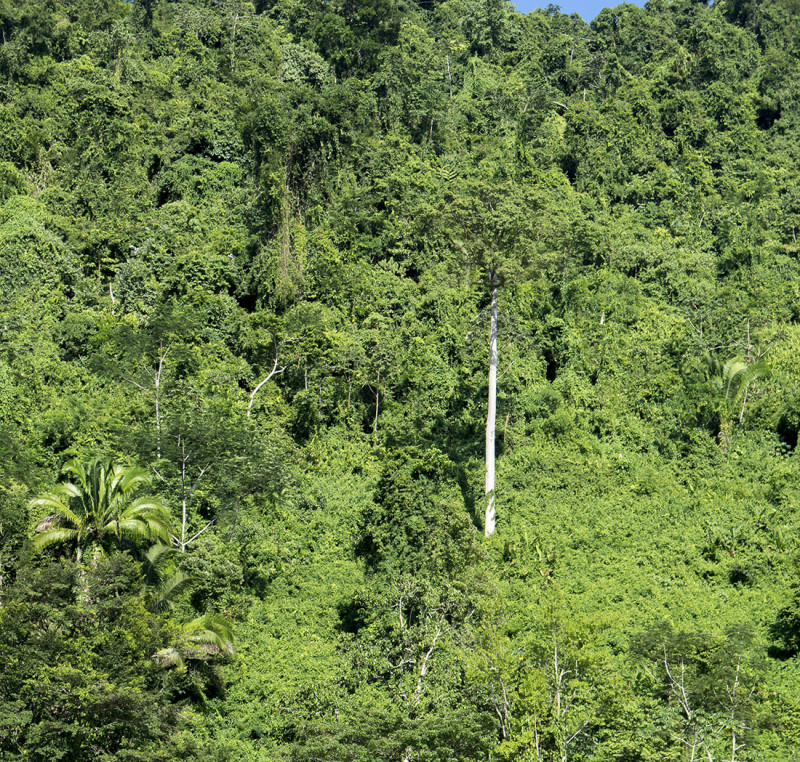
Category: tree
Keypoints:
(708, 684)
(98, 506)
(156, 374)
(731, 382)
(203, 637)
(201, 645)
(214, 456)
(187, 489)
(79, 694)
(275, 371)
(495, 235)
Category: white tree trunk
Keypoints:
(491, 411)
(183, 541)
(157, 374)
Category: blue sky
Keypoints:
(587, 9)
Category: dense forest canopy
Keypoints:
(248, 258)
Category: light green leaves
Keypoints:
(99, 505)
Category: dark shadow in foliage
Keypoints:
(741, 576)
(76, 667)
(454, 735)
(785, 630)
(352, 615)
(767, 115)
(417, 523)
(789, 424)
(468, 496)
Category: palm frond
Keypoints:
(48, 501)
(159, 584)
(68, 490)
(138, 529)
(153, 564)
(54, 536)
(731, 376)
(169, 657)
(158, 555)
(755, 370)
(168, 589)
(211, 632)
(75, 467)
(131, 478)
(65, 514)
(150, 505)
(174, 584)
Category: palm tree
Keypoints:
(202, 644)
(161, 580)
(97, 506)
(203, 638)
(731, 382)
(209, 634)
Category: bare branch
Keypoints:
(206, 527)
(156, 472)
(274, 372)
(580, 730)
(197, 480)
(135, 383)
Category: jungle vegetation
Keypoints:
(251, 256)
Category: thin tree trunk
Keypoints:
(724, 435)
(162, 355)
(489, 523)
(183, 541)
(184, 499)
(235, 518)
(377, 403)
(449, 75)
(83, 584)
(156, 374)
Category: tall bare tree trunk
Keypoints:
(491, 411)
(157, 374)
(377, 403)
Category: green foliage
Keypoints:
(250, 245)
(709, 685)
(79, 679)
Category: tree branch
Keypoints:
(274, 372)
